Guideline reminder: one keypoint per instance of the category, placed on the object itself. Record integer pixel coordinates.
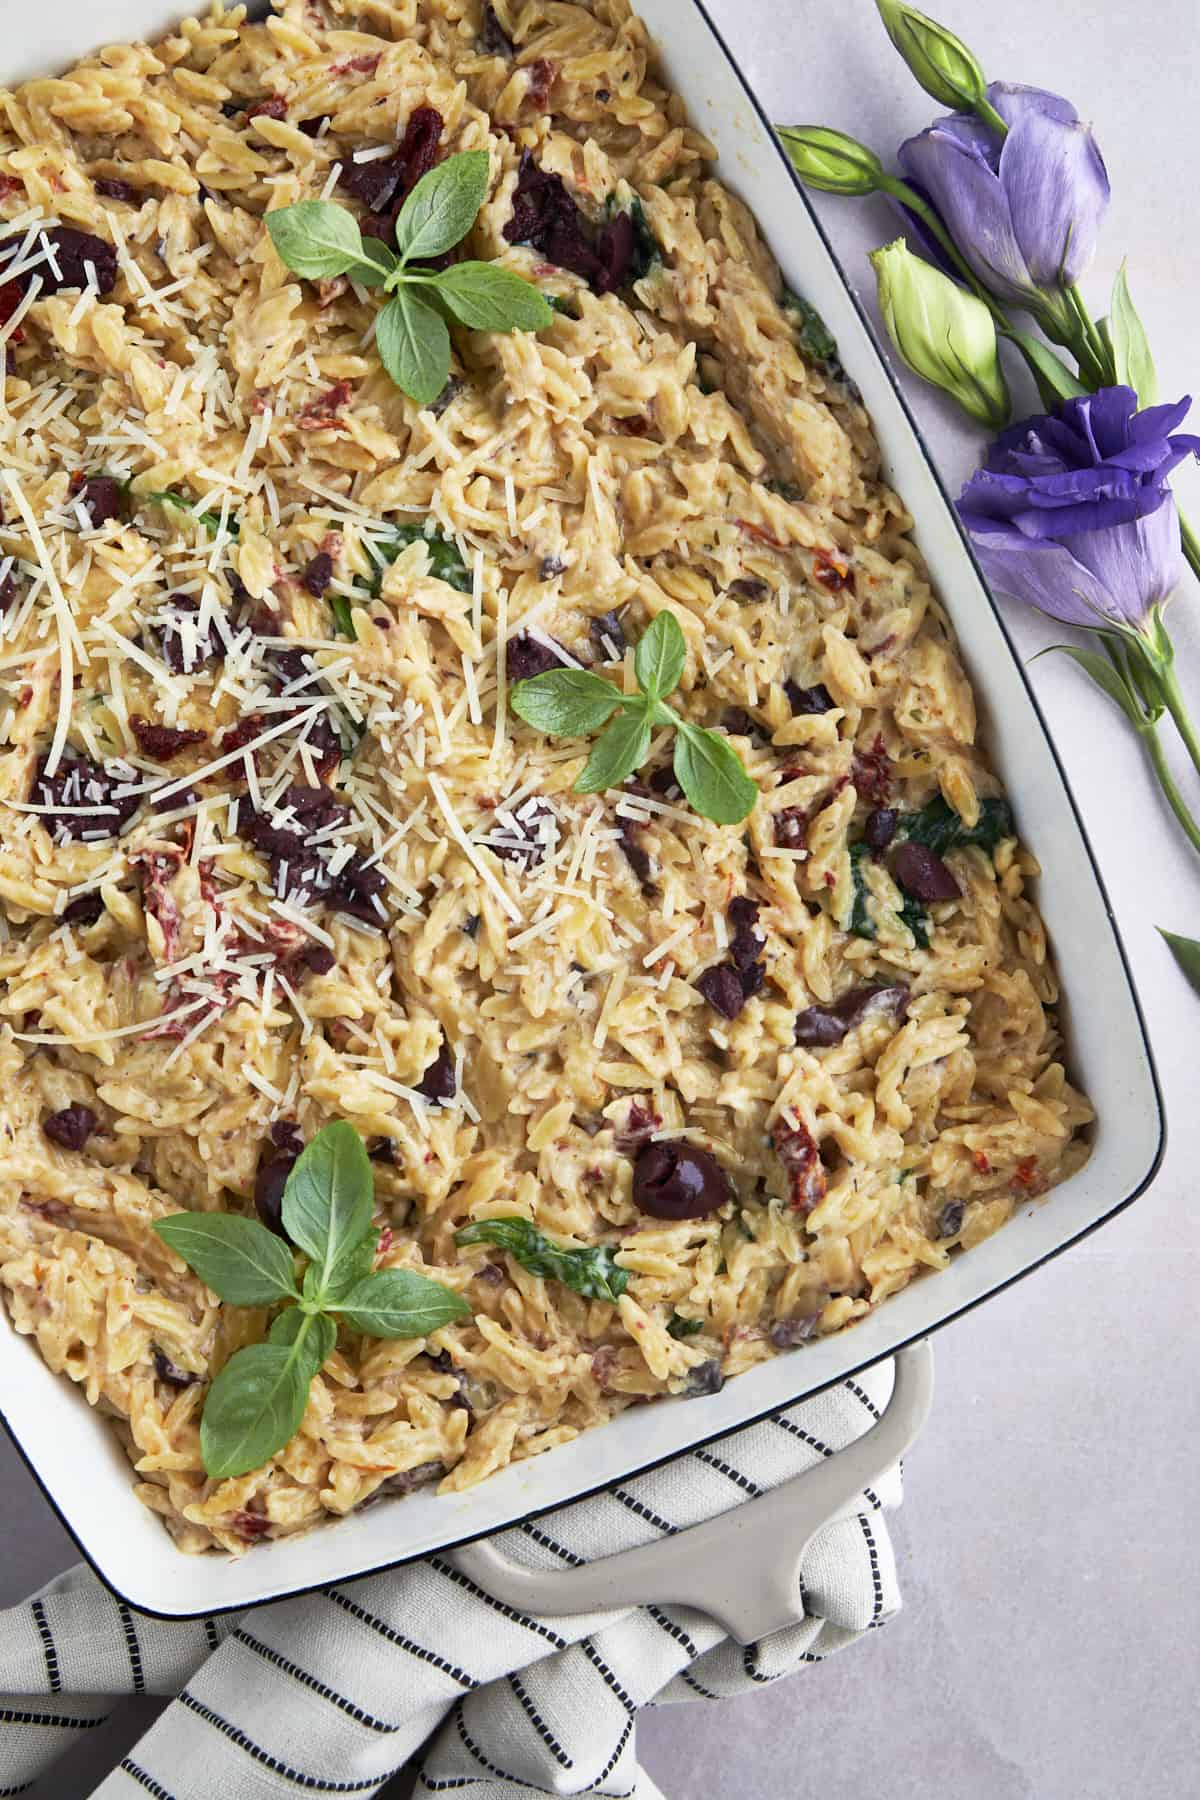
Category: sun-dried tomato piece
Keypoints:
(833, 576)
(162, 742)
(871, 772)
(274, 107)
(796, 1149)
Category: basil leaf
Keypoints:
(377, 265)
(679, 1327)
(339, 606)
(710, 773)
(354, 1267)
(328, 1198)
(399, 1303)
(254, 1407)
(414, 346)
(659, 658)
(239, 1259)
(319, 1340)
(565, 702)
(1133, 365)
(592, 1272)
(939, 828)
(443, 206)
(1186, 952)
(622, 749)
(316, 238)
(488, 298)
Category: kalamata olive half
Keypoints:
(922, 873)
(672, 1179)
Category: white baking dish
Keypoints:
(72, 1451)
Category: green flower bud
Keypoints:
(940, 61)
(944, 333)
(831, 161)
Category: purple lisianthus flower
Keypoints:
(1071, 512)
(1025, 212)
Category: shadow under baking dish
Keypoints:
(73, 1453)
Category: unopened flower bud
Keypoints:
(831, 161)
(940, 61)
(944, 333)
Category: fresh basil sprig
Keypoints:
(591, 1271)
(257, 1402)
(573, 702)
(319, 240)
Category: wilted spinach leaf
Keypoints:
(939, 827)
(445, 561)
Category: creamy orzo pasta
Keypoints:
(274, 848)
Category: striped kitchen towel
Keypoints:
(333, 1692)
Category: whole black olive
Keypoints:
(672, 1179)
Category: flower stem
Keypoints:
(908, 197)
(1166, 781)
(984, 110)
(1091, 334)
(1173, 699)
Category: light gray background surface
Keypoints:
(1049, 1645)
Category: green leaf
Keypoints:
(445, 560)
(211, 521)
(339, 606)
(816, 340)
(316, 238)
(239, 1259)
(488, 298)
(354, 1267)
(565, 702)
(399, 1303)
(1132, 361)
(660, 656)
(1186, 952)
(255, 1406)
(860, 922)
(622, 749)
(940, 61)
(939, 827)
(710, 772)
(443, 206)
(592, 1272)
(328, 1198)
(319, 1339)
(1106, 677)
(913, 915)
(414, 346)
(679, 1327)
(378, 264)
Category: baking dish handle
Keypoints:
(742, 1567)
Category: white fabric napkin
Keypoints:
(333, 1692)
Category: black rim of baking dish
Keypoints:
(655, 1462)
